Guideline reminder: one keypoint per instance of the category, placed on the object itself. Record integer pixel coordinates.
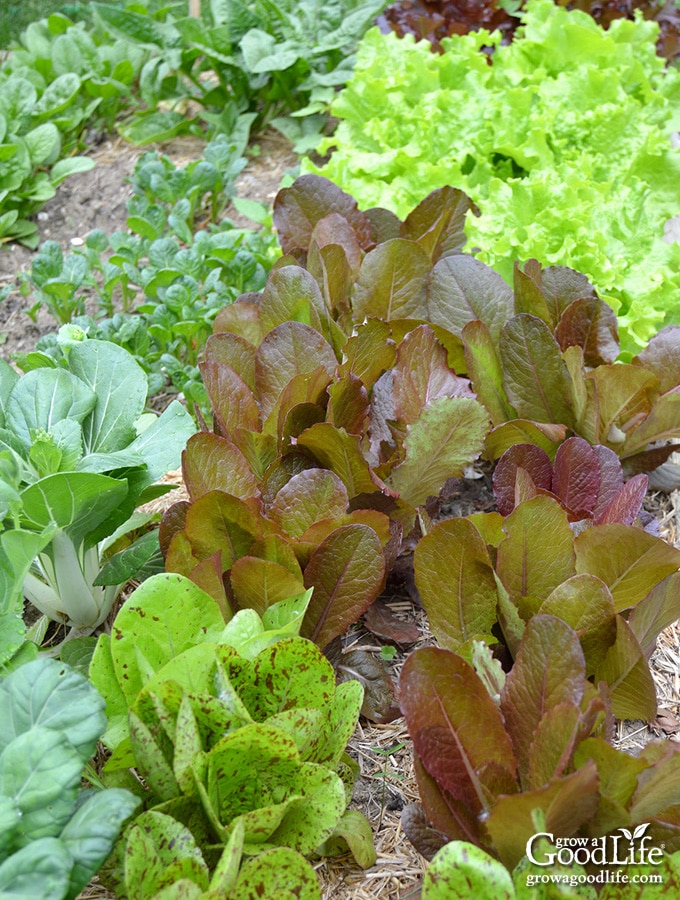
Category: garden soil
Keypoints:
(386, 783)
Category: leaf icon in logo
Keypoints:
(627, 833)
(640, 830)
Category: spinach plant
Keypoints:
(79, 456)
(55, 834)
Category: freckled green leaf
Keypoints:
(279, 872)
(353, 832)
(625, 670)
(391, 282)
(346, 571)
(629, 561)
(456, 583)
(461, 870)
(309, 820)
(446, 437)
(537, 554)
(535, 376)
(153, 757)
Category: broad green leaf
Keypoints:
(263, 53)
(624, 394)
(630, 561)
(462, 289)
(42, 869)
(446, 437)
(120, 386)
(43, 397)
(77, 502)
(70, 166)
(48, 694)
(484, 370)
(346, 571)
(549, 670)
(279, 872)
(455, 581)
(161, 443)
(619, 773)
(392, 282)
(537, 554)
(625, 670)
(103, 677)
(586, 605)
(535, 376)
(128, 563)
(140, 646)
(91, 832)
(457, 729)
(154, 127)
(259, 583)
(658, 610)
(353, 832)
(43, 143)
(311, 819)
(58, 95)
(461, 870)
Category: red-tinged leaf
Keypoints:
(449, 816)
(308, 497)
(553, 743)
(529, 457)
(281, 471)
(586, 605)
(626, 505)
(662, 357)
(529, 295)
(422, 374)
(391, 282)
(549, 670)
(625, 670)
(462, 289)
(659, 609)
(297, 210)
(297, 420)
(180, 557)
(380, 701)
(259, 449)
(662, 424)
(567, 803)
(349, 405)
(483, 367)
(276, 549)
(347, 572)
(385, 224)
(207, 574)
(659, 784)
(234, 351)
(456, 583)
(288, 350)
(576, 477)
(258, 583)
(306, 388)
(220, 522)
(446, 437)
(456, 728)
(611, 478)
(341, 453)
(591, 324)
(331, 269)
(240, 318)
(425, 837)
(317, 533)
(291, 295)
(547, 293)
(335, 230)
(618, 774)
(380, 620)
(212, 463)
(625, 395)
(546, 436)
(629, 561)
(438, 222)
(172, 523)
(232, 400)
(535, 376)
(369, 352)
(538, 553)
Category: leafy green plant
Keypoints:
(55, 835)
(562, 138)
(494, 773)
(78, 457)
(486, 577)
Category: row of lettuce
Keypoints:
(378, 362)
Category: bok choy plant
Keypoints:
(78, 454)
